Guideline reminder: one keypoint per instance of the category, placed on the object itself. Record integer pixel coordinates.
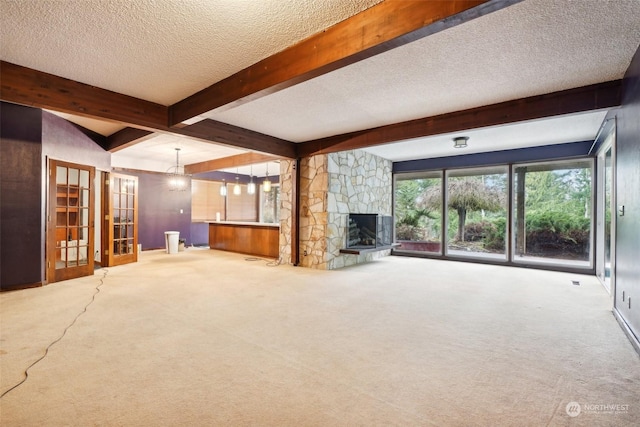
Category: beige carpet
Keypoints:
(205, 338)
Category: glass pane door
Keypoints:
(605, 205)
(477, 212)
(608, 186)
(121, 224)
(70, 234)
(552, 213)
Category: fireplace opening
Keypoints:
(368, 231)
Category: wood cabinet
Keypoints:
(247, 238)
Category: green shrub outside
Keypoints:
(567, 228)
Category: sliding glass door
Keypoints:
(605, 205)
(477, 212)
(552, 213)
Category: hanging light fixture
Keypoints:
(223, 189)
(460, 141)
(251, 187)
(266, 185)
(236, 188)
(178, 181)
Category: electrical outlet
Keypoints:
(304, 253)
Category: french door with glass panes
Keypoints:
(120, 212)
(70, 231)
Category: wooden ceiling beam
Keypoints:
(126, 138)
(214, 131)
(382, 27)
(34, 88)
(578, 100)
(229, 162)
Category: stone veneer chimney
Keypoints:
(332, 186)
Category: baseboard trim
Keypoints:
(22, 286)
(628, 332)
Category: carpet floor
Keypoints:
(208, 338)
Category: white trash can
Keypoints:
(171, 241)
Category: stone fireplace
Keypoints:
(331, 187)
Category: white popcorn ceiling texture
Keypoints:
(164, 51)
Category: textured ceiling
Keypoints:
(158, 50)
(166, 50)
(530, 48)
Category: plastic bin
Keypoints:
(171, 241)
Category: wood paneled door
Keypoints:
(70, 222)
(120, 224)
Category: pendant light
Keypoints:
(251, 187)
(177, 179)
(266, 185)
(223, 189)
(236, 188)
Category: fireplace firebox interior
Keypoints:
(368, 231)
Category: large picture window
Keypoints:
(270, 205)
(418, 212)
(535, 213)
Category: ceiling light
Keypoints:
(236, 188)
(460, 141)
(223, 189)
(178, 181)
(251, 187)
(266, 185)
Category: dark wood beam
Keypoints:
(378, 29)
(25, 86)
(587, 98)
(229, 162)
(215, 131)
(125, 138)
(34, 88)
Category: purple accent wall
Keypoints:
(62, 140)
(627, 169)
(21, 207)
(530, 154)
(160, 210)
(199, 233)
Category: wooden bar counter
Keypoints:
(253, 238)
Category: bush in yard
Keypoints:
(557, 232)
(409, 232)
(477, 231)
(494, 237)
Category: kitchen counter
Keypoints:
(252, 238)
